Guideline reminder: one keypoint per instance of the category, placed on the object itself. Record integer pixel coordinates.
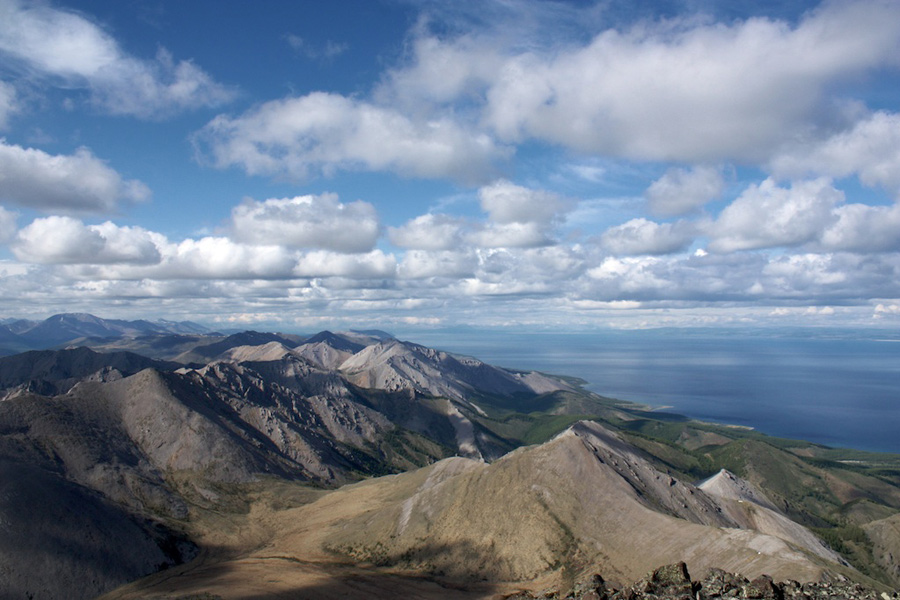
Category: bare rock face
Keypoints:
(673, 582)
(53, 372)
(585, 497)
(395, 365)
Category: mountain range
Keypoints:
(19, 335)
(182, 463)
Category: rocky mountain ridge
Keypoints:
(155, 452)
(673, 582)
(19, 335)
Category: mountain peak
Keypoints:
(336, 341)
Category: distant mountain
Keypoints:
(10, 342)
(53, 372)
(206, 352)
(335, 341)
(229, 446)
(66, 328)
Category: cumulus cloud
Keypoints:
(428, 232)
(863, 228)
(307, 222)
(870, 149)
(683, 89)
(768, 216)
(7, 225)
(62, 45)
(682, 191)
(631, 277)
(321, 133)
(321, 263)
(795, 273)
(510, 235)
(76, 183)
(420, 264)
(64, 240)
(222, 258)
(506, 202)
(640, 236)
(517, 217)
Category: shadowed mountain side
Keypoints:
(316, 420)
(208, 352)
(52, 372)
(69, 328)
(156, 346)
(267, 576)
(78, 544)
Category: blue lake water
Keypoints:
(838, 388)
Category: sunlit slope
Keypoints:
(584, 502)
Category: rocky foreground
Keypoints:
(673, 582)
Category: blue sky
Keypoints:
(507, 163)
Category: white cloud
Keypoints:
(886, 309)
(768, 216)
(374, 264)
(627, 277)
(683, 89)
(8, 103)
(321, 132)
(77, 183)
(791, 274)
(420, 264)
(510, 235)
(7, 225)
(682, 191)
(59, 44)
(506, 203)
(307, 222)
(442, 72)
(640, 236)
(64, 240)
(215, 258)
(863, 228)
(870, 149)
(428, 232)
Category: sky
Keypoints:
(416, 163)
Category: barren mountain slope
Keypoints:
(395, 365)
(52, 372)
(745, 504)
(77, 544)
(330, 350)
(541, 516)
(585, 498)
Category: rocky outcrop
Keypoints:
(54, 372)
(673, 582)
(585, 497)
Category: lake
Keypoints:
(834, 387)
